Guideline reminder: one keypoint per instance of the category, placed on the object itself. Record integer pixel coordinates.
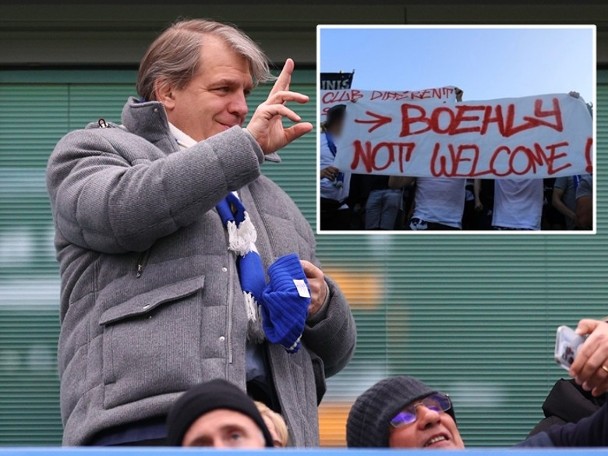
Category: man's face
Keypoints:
(224, 428)
(433, 429)
(214, 100)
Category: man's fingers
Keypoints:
(329, 172)
(314, 287)
(583, 354)
(599, 390)
(284, 79)
(595, 346)
(577, 365)
(316, 282)
(593, 364)
(598, 380)
(283, 96)
(586, 326)
(593, 356)
(310, 269)
(294, 132)
(266, 124)
(270, 111)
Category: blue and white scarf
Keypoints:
(284, 301)
(241, 241)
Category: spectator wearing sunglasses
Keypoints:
(402, 412)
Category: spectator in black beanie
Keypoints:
(217, 414)
(402, 412)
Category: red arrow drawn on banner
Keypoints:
(378, 121)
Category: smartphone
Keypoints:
(567, 343)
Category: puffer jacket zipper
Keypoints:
(230, 306)
(142, 260)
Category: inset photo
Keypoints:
(447, 129)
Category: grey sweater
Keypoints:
(150, 298)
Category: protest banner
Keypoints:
(329, 98)
(528, 137)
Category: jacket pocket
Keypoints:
(151, 343)
(318, 369)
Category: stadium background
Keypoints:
(473, 315)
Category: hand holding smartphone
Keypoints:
(567, 343)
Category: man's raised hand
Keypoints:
(266, 124)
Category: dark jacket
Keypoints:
(591, 431)
(567, 403)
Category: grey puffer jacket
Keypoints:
(150, 298)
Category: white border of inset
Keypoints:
(593, 231)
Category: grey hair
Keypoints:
(175, 55)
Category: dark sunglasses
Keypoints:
(436, 402)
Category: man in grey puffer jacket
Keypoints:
(151, 298)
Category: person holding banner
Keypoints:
(518, 204)
(438, 202)
(383, 202)
(335, 184)
(563, 198)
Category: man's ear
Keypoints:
(163, 92)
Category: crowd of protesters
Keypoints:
(394, 203)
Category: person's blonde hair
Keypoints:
(175, 55)
(277, 420)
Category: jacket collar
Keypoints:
(148, 119)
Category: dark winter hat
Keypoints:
(206, 397)
(369, 418)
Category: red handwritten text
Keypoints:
(458, 119)
(378, 157)
(464, 160)
(439, 93)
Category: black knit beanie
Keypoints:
(204, 398)
(369, 418)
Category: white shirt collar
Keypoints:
(183, 140)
